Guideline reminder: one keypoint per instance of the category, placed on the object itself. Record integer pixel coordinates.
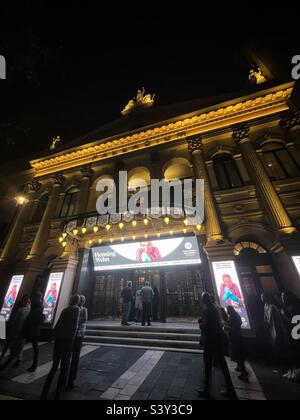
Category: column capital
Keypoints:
(195, 144)
(87, 171)
(59, 179)
(34, 185)
(290, 121)
(240, 133)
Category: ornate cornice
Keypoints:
(239, 111)
(195, 144)
(87, 171)
(240, 133)
(290, 121)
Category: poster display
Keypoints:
(52, 295)
(229, 289)
(11, 296)
(297, 263)
(160, 253)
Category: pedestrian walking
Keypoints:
(64, 335)
(147, 295)
(15, 342)
(214, 352)
(127, 296)
(78, 342)
(32, 327)
(233, 328)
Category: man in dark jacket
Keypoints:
(64, 333)
(32, 327)
(147, 295)
(127, 297)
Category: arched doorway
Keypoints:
(257, 275)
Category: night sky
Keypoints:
(73, 68)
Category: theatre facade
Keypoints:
(246, 148)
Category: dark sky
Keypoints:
(72, 68)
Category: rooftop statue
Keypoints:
(257, 76)
(141, 101)
(55, 143)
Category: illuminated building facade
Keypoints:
(247, 150)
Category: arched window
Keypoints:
(227, 172)
(279, 162)
(69, 204)
(40, 210)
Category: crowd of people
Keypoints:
(279, 311)
(69, 332)
(221, 335)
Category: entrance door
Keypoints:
(257, 277)
(107, 301)
(183, 290)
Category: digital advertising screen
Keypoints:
(11, 296)
(297, 263)
(52, 295)
(147, 254)
(229, 289)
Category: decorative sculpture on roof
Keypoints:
(141, 101)
(257, 76)
(55, 143)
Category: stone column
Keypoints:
(212, 222)
(20, 221)
(44, 227)
(82, 200)
(264, 187)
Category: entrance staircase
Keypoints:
(180, 337)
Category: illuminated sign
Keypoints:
(229, 289)
(160, 253)
(297, 263)
(52, 295)
(11, 296)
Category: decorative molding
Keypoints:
(87, 171)
(269, 103)
(240, 133)
(34, 185)
(59, 179)
(290, 121)
(195, 144)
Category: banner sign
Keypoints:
(160, 253)
(229, 289)
(52, 295)
(11, 296)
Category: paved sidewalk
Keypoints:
(113, 373)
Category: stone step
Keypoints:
(143, 334)
(192, 345)
(133, 327)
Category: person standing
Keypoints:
(127, 296)
(147, 295)
(32, 327)
(78, 342)
(138, 306)
(15, 340)
(233, 327)
(213, 342)
(64, 335)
